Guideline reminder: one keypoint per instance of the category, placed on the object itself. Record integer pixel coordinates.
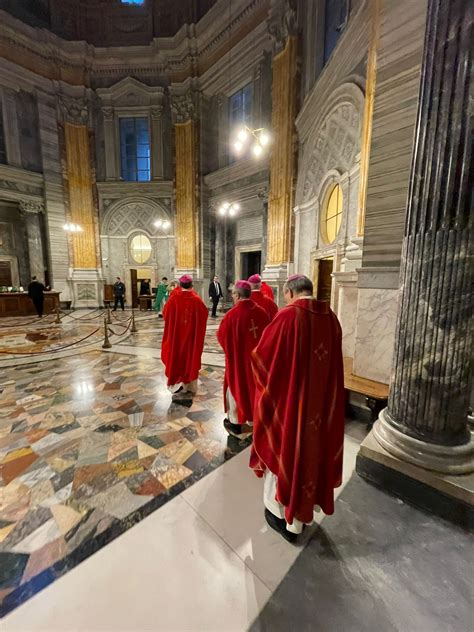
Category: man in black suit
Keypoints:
(215, 294)
(119, 293)
(36, 293)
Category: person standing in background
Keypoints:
(119, 293)
(215, 294)
(36, 293)
(162, 295)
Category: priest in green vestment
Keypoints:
(161, 295)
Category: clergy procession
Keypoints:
(283, 386)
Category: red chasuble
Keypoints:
(185, 318)
(238, 335)
(267, 303)
(298, 418)
(267, 291)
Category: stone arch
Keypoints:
(125, 216)
(333, 142)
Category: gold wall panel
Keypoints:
(366, 139)
(283, 158)
(80, 184)
(187, 235)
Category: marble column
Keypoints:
(426, 422)
(110, 144)
(33, 216)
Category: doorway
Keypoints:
(324, 282)
(6, 278)
(250, 263)
(136, 277)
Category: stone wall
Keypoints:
(14, 242)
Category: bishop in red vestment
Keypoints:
(267, 291)
(185, 318)
(298, 418)
(238, 334)
(257, 295)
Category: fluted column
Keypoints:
(426, 419)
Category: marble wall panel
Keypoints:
(375, 333)
(347, 313)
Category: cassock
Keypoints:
(266, 303)
(238, 334)
(298, 417)
(185, 318)
(267, 291)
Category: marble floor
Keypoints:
(122, 511)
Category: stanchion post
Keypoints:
(133, 328)
(106, 344)
(58, 320)
(109, 318)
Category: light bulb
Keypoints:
(222, 210)
(66, 227)
(236, 206)
(225, 205)
(232, 211)
(166, 224)
(242, 135)
(238, 146)
(257, 150)
(264, 139)
(158, 223)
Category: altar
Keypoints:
(20, 304)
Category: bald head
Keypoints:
(296, 287)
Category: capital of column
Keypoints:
(282, 22)
(185, 101)
(73, 109)
(31, 206)
(156, 112)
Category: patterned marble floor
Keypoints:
(89, 445)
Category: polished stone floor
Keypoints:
(90, 444)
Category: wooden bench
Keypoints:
(375, 393)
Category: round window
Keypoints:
(140, 248)
(332, 215)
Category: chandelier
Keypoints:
(228, 209)
(259, 138)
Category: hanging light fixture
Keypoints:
(72, 228)
(260, 137)
(228, 209)
(163, 224)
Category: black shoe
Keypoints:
(237, 430)
(279, 525)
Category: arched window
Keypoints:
(332, 215)
(140, 248)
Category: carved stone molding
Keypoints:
(126, 216)
(108, 113)
(156, 112)
(29, 206)
(335, 144)
(262, 194)
(73, 110)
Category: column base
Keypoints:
(430, 456)
(276, 275)
(447, 496)
(87, 288)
